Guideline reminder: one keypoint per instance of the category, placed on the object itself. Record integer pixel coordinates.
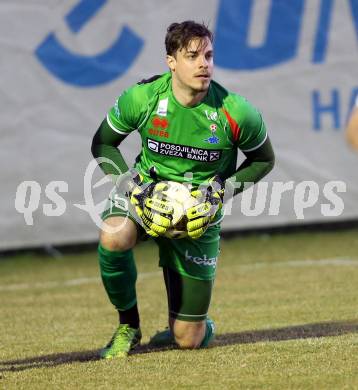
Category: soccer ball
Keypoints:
(180, 198)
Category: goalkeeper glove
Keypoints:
(210, 197)
(154, 211)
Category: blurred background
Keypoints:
(63, 64)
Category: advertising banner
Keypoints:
(64, 63)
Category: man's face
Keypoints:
(192, 67)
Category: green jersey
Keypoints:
(187, 143)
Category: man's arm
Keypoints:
(258, 164)
(352, 128)
(122, 119)
(155, 215)
(105, 145)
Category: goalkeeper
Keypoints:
(188, 123)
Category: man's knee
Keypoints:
(118, 234)
(188, 342)
(188, 335)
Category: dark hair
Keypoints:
(179, 35)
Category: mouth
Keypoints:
(203, 76)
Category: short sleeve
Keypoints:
(247, 125)
(124, 116)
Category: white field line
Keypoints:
(338, 261)
(64, 283)
(144, 275)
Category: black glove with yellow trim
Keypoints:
(210, 196)
(154, 211)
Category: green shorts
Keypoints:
(191, 258)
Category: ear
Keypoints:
(171, 62)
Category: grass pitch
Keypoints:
(285, 306)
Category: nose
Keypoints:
(204, 63)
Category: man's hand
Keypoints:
(131, 184)
(154, 210)
(210, 196)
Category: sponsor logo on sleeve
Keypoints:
(183, 151)
(117, 111)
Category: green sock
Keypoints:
(209, 333)
(119, 275)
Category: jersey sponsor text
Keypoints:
(159, 133)
(206, 261)
(183, 151)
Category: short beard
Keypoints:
(201, 90)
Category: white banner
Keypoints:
(63, 63)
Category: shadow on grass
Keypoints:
(52, 360)
(324, 329)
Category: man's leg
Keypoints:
(119, 274)
(192, 334)
(188, 304)
(189, 268)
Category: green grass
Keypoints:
(285, 307)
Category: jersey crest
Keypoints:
(213, 139)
